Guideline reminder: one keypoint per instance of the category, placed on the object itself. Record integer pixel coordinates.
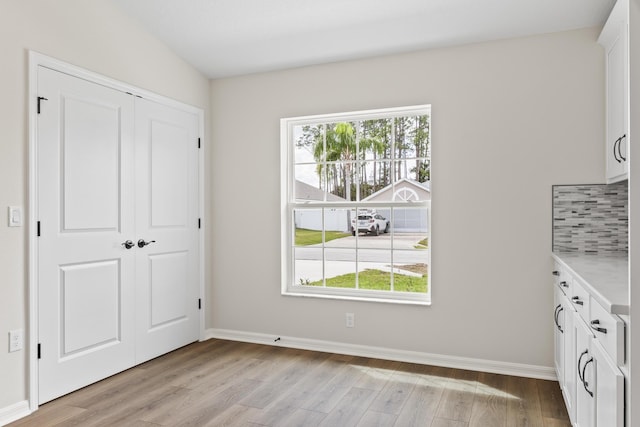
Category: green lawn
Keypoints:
(422, 244)
(377, 280)
(306, 237)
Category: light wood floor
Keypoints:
(225, 383)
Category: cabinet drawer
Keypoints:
(562, 279)
(609, 331)
(580, 300)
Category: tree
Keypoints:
(347, 152)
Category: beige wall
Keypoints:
(510, 118)
(90, 34)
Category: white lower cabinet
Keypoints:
(588, 353)
(609, 389)
(559, 333)
(564, 337)
(585, 386)
(569, 378)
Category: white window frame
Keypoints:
(289, 205)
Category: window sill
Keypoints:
(381, 297)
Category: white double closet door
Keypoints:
(112, 168)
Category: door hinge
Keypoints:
(38, 229)
(39, 351)
(199, 223)
(198, 142)
(41, 98)
(199, 304)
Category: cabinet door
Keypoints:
(558, 334)
(569, 365)
(609, 389)
(617, 108)
(585, 375)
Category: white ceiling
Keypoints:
(233, 37)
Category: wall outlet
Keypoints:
(16, 340)
(350, 320)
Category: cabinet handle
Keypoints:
(619, 145)
(576, 300)
(555, 272)
(584, 382)
(580, 361)
(556, 315)
(615, 155)
(597, 328)
(564, 284)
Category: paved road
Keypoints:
(364, 255)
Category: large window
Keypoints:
(356, 199)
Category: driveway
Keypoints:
(382, 241)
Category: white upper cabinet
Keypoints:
(614, 39)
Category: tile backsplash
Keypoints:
(591, 218)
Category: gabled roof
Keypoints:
(421, 189)
(305, 191)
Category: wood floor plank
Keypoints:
(377, 419)
(422, 404)
(490, 403)
(395, 393)
(350, 409)
(457, 401)
(202, 407)
(554, 422)
(302, 418)
(288, 376)
(443, 422)
(376, 373)
(309, 387)
(289, 398)
(551, 400)
(205, 384)
(234, 416)
(332, 393)
(523, 404)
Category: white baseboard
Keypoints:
(14, 412)
(496, 367)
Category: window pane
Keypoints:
(413, 221)
(308, 266)
(411, 136)
(340, 268)
(374, 269)
(375, 139)
(310, 174)
(338, 228)
(340, 177)
(410, 271)
(308, 226)
(411, 169)
(374, 229)
(375, 176)
(308, 143)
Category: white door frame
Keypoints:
(36, 60)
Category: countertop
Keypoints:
(605, 277)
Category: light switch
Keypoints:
(16, 340)
(15, 216)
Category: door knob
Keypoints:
(142, 243)
(128, 244)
